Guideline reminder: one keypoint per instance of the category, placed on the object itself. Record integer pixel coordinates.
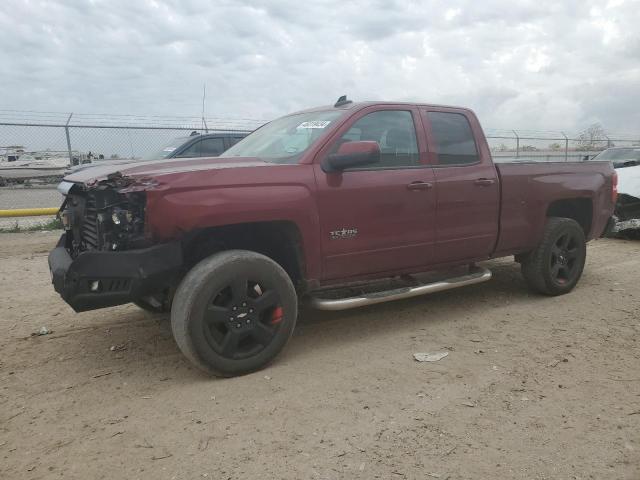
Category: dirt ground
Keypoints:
(532, 388)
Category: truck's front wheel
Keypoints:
(234, 312)
(556, 265)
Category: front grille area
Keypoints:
(117, 285)
(104, 219)
(89, 234)
(113, 285)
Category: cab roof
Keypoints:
(355, 106)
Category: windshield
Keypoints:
(285, 140)
(620, 156)
(166, 150)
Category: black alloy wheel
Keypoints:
(556, 264)
(564, 256)
(241, 319)
(234, 312)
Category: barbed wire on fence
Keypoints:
(94, 120)
(551, 145)
(55, 140)
(134, 136)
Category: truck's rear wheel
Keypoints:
(234, 312)
(556, 265)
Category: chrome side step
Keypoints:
(477, 275)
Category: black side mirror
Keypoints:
(352, 154)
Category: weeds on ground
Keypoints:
(53, 224)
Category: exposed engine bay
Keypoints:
(102, 217)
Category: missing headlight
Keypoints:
(121, 216)
(104, 219)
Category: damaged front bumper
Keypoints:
(627, 214)
(621, 226)
(97, 279)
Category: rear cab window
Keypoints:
(453, 140)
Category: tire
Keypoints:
(234, 312)
(556, 265)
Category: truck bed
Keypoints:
(530, 189)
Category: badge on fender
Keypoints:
(343, 233)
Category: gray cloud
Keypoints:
(525, 64)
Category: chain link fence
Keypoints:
(527, 146)
(37, 148)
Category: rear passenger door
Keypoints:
(468, 194)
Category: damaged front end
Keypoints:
(106, 257)
(102, 218)
(627, 215)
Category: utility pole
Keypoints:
(204, 95)
(66, 131)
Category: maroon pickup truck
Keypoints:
(338, 206)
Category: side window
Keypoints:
(211, 147)
(191, 151)
(454, 141)
(395, 133)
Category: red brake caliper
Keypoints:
(276, 316)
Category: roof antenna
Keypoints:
(342, 101)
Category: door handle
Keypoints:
(484, 182)
(419, 186)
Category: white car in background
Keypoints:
(626, 161)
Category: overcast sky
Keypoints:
(540, 65)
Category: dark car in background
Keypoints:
(198, 145)
(620, 156)
(194, 145)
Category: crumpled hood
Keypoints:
(152, 169)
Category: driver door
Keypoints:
(378, 218)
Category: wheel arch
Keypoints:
(579, 209)
(279, 240)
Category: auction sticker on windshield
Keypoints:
(314, 124)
